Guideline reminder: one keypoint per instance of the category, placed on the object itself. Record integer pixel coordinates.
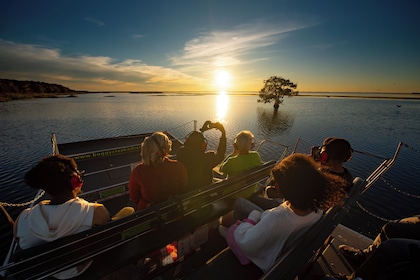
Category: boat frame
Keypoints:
(191, 217)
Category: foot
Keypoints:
(354, 254)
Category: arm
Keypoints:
(224, 166)
(221, 149)
(100, 215)
(260, 240)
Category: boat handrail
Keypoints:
(54, 144)
(285, 150)
(122, 188)
(158, 225)
(382, 168)
(104, 152)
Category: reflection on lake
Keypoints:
(273, 122)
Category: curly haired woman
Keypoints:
(306, 191)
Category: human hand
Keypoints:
(254, 215)
(206, 126)
(218, 126)
(209, 125)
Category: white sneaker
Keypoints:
(223, 231)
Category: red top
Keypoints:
(152, 184)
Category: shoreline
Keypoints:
(362, 96)
(393, 96)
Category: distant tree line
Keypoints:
(14, 86)
(13, 89)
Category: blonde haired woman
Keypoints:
(157, 177)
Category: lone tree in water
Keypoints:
(275, 88)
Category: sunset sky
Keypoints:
(179, 45)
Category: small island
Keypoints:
(14, 90)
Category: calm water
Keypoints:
(371, 125)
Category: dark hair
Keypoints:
(195, 140)
(338, 148)
(305, 186)
(52, 174)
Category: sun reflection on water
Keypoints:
(222, 105)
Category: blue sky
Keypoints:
(177, 45)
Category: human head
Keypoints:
(54, 174)
(336, 149)
(154, 148)
(244, 141)
(298, 179)
(196, 140)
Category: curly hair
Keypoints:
(52, 174)
(305, 186)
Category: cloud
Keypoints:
(137, 36)
(94, 21)
(190, 68)
(231, 47)
(35, 62)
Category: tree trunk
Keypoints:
(276, 103)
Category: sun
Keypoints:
(222, 79)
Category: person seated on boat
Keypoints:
(408, 228)
(157, 177)
(197, 160)
(64, 214)
(241, 160)
(333, 153)
(259, 236)
(397, 258)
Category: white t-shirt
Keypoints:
(264, 241)
(44, 223)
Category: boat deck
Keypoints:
(331, 261)
(205, 266)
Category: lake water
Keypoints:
(371, 125)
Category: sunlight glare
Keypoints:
(222, 79)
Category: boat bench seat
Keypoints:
(124, 241)
(297, 254)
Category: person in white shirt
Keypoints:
(64, 214)
(259, 236)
